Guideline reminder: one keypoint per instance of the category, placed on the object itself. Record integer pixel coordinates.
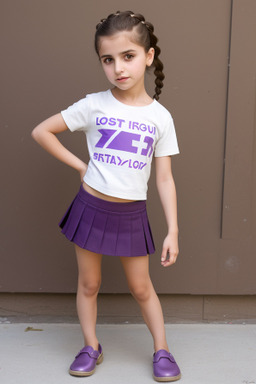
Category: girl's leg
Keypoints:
(137, 274)
(89, 280)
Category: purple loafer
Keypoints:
(85, 361)
(165, 367)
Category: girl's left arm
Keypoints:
(167, 192)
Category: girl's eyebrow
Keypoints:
(121, 53)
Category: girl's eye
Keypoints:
(107, 60)
(129, 57)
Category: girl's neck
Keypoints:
(132, 98)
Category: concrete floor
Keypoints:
(206, 353)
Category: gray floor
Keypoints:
(206, 353)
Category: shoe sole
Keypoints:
(165, 379)
(83, 374)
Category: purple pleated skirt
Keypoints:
(109, 228)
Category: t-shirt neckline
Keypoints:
(127, 105)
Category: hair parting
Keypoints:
(126, 21)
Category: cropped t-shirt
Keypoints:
(121, 141)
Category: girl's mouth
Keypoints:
(122, 79)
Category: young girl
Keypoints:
(124, 127)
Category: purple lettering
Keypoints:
(112, 121)
(136, 125)
(113, 160)
(149, 150)
(116, 160)
(136, 164)
(143, 127)
(152, 130)
(124, 142)
(106, 134)
(107, 156)
(120, 122)
(103, 120)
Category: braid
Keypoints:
(157, 63)
(158, 72)
(121, 21)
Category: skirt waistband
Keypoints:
(133, 206)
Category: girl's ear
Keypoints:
(150, 56)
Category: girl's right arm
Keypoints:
(45, 135)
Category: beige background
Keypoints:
(48, 62)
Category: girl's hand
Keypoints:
(170, 250)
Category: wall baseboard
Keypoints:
(122, 308)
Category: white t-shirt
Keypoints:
(121, 141)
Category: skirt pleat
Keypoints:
(110, 228)
(84, 226)
(109, 240)
(148, 234)
(138, 234)
(69, 222)
(94, 240)
(123, 242)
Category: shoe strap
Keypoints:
(162, 353)
(90, 351)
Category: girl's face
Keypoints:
(124, 62)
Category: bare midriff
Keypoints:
(102, 196)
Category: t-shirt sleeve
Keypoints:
(77, 115)
(167, 143)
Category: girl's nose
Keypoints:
(118, 67)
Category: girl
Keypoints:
(124, 127)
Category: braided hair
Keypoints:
(144, 36)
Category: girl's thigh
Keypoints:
(137, 272)
(89, 265)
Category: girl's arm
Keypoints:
(167, 192)
(45, 135)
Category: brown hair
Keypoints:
(126, 21)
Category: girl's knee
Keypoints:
(141, 291)
(89, 288)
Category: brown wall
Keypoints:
(48, 63)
